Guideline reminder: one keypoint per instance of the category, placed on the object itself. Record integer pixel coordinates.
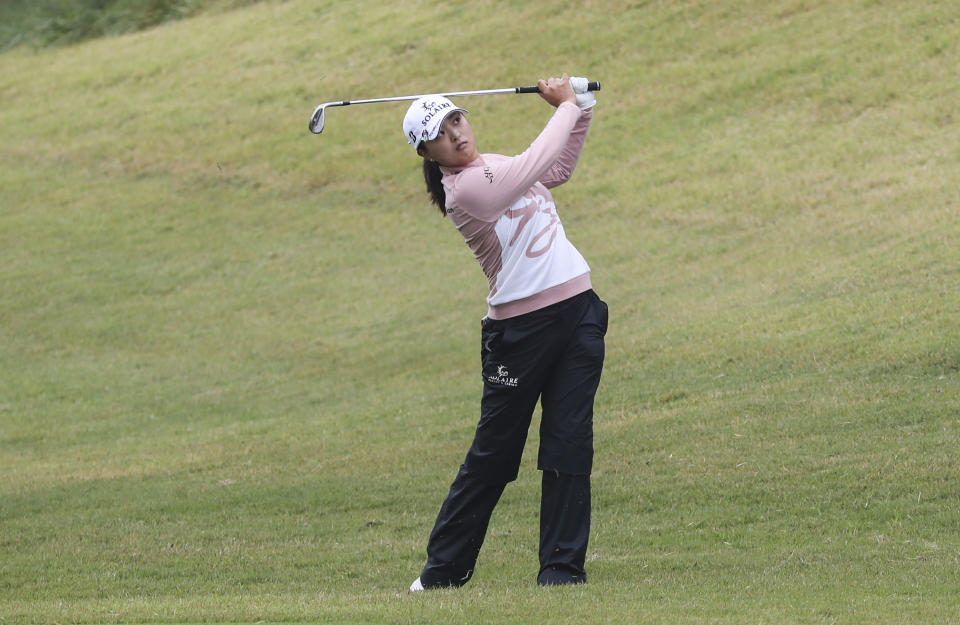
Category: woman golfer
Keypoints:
(542, 338)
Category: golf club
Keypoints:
(317, 119)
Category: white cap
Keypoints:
(424, 117)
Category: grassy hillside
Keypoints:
(42, 23)
(240, 361)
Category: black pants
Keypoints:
(554, 355)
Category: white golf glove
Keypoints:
(585, 99)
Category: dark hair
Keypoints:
(434, 179)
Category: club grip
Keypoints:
(593, 85)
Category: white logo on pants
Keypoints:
(502, 377)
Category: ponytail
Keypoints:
(434, 179)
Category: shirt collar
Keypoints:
(446, 171)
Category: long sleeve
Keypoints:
(488, 190)
(562, 169)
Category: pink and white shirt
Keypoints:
(506, 214)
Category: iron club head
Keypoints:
(317, 119)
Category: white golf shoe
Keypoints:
(416, 586)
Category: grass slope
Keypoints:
(42, 23)
(239, 361)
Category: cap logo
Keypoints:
(433, 109)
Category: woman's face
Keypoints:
(454, 146)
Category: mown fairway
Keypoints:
(240, 362)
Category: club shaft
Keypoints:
(592, 86)
(316, 120)
(402, 98)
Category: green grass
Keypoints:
(239, 361)
(42, 23)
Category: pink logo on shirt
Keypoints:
(537, 247)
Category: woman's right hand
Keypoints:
(556, 91)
